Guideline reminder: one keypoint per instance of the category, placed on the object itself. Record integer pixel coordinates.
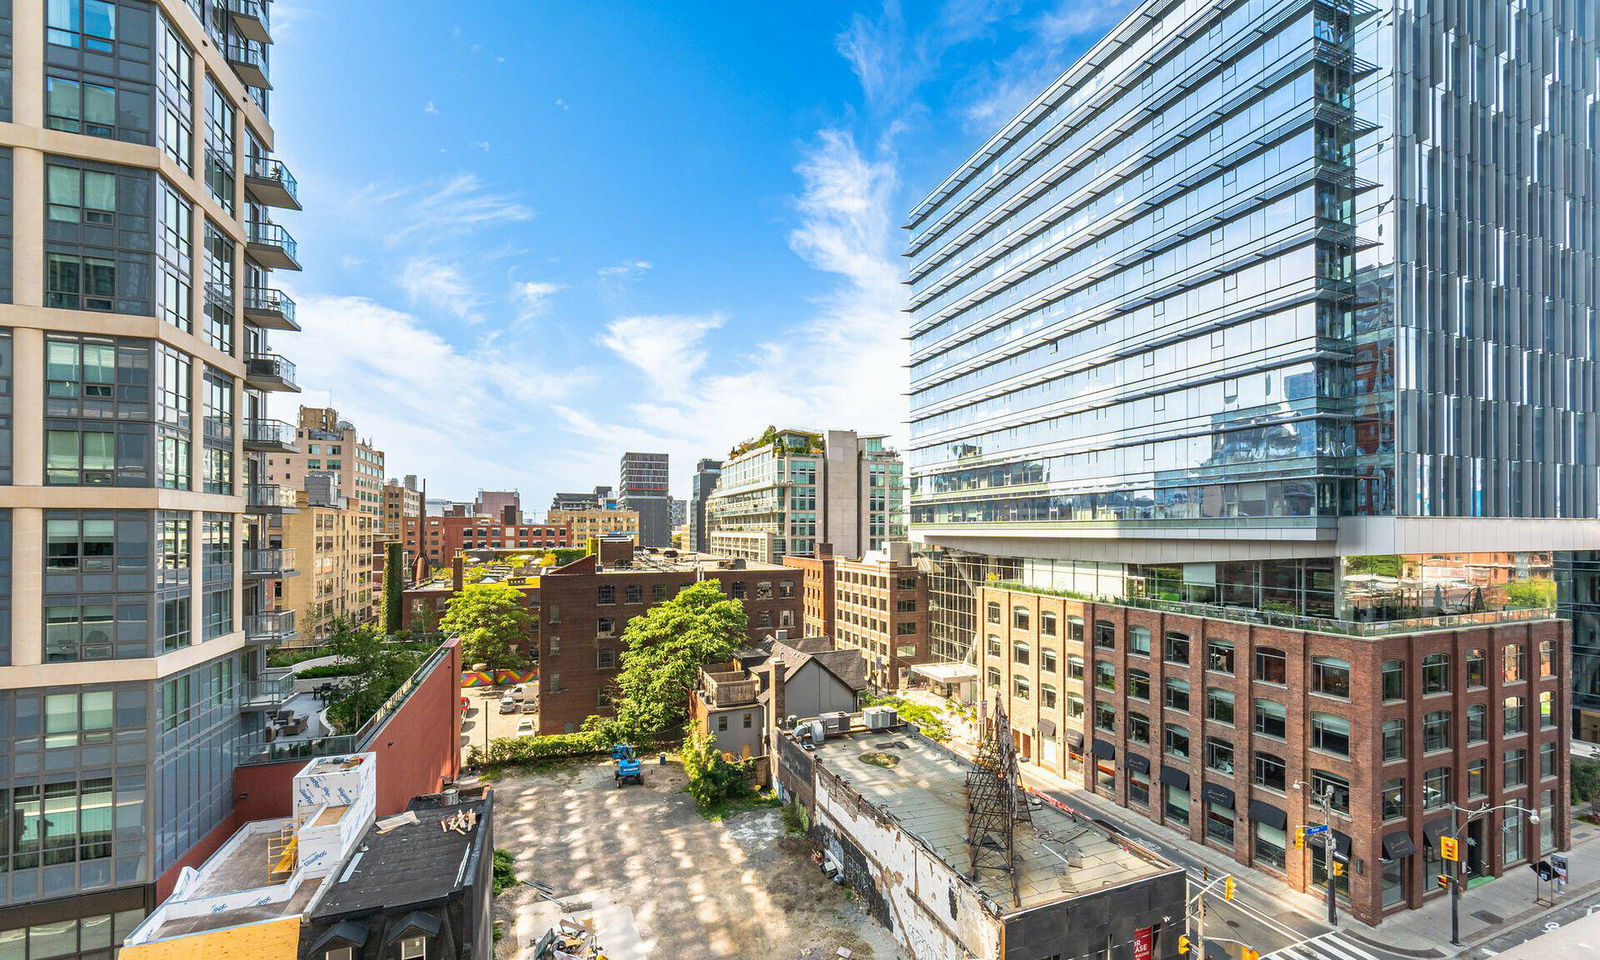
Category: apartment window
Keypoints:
(1019, 618)
(1019, 652)
(1047, 620)
(992, 612)
(605, 594)
(1547, 659)
(1330, 677)
(1138, 727)
(1139, 640)
(1219, 705)
(77, 282)
(1271, 772)
(1075, 629)
(1047, 661)
(1436, 788)
(1074, 666)
(605, 659)
(175, 633)
(1512, 663)
(1104, 676)
(1047, 696)
(1330, 733)
(1477, 723)
(1178, 648)
(1394, 739)
(1176, 695)
(414, 948)
(79, 106)
(1514, 771)
(658, 593)
(1105, 718)
(60, 823)
(86, 545)
(1105, 634)
(1547, 760)
(1394, 798)
(218, 613)
(1436, 731)
(1547, 709)
(1219, 755)
(993, 644)
(1477, 669)
(80, 457)
(1394, 680)
(220, 146)
(82, 24)
(633, 593)
(1271, 719)
(992, 676)
(1074, 705)
(1513, 717)
(1436, 673)
(1019, 687)
(1175, 741)
(1477, 777)
(605, 627)
(1219, 656)
(1272, 666)
(1323, 782)
(1138, 684)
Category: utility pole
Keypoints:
(1200, 926)
(1328, 854)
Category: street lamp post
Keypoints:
(1325, 801)
(1459, 826)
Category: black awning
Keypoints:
(1135, 762)
(1047, 728)
(1431, 832)
(1103, 750)
(1268, 814)
(1398, 845)
(1341, 843)
(1075, 741)
(1217, 793)
(1178, 778)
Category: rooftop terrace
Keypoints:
(1059, 857)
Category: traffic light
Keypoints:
(1444, 881)
(1246, 953)
(1338, 868)
(1299, 838)
(1227, 889)
(1183, 944)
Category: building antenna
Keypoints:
(996, 802)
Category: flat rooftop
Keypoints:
(244, 865)
(1059, 857)
(411, 863)
(688, 562)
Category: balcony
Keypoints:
(268, 181)
(251, 18)
(263, 498)
(275, 564)
(269, 436)
(249, 61)
(728, 688)
(269, 693)
(274, 626)
(270, 309)
(268, 371)
(271, 246)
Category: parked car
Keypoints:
(530, 705)
(525, 728)
(466, 706)
(508, 704)
(520, 691)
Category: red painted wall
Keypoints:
(418, 749)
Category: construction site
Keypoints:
(958, 861)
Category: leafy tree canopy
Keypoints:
(490, 619)
(665, 647)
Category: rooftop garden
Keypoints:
(793, 441)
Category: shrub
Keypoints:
(1585, 780)
(509, 751)
(925, 718)
(505, 873)
(327, 670)
(796, 819)
(290, 657)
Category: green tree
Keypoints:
(1528, 592)
(377, 671)
(664, 649)
(712, 779)
(490, 619)
(394, 579)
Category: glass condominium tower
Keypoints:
(137, 246)
(1255, 360)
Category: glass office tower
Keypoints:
(137, 246)
(1272, 323)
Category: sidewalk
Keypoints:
(1487, 910)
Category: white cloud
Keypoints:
(624, 269)
(533, 296)
(481, 145)
(463, 417)
(563, 104)
(430, 108)
(666, 348)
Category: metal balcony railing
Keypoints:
(271, 244)
(268, 435)
(249, 61)
(271, 182)
(270, 307)
(252, 18)
(270, 371)
(273, 626)
(273, 562)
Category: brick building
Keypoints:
(586, 522)
(441, 538)
(877, 605)
(586, 605)
(1217, 728)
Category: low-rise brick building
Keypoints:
(1227, 731)
(585, 606)
(441, 538)
(877, 605)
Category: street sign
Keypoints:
(1450, 848)
(1313, 830)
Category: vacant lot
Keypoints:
(695, 888)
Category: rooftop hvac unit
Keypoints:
(835, 723)
(880, 718)
(817, 731)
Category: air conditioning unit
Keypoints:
(835, 723)
(818, 732)
(880, 718)
(780, 635)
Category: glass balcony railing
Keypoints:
(268, 435)
(269, 307)
(273, 626)
(268, 496)
(267, 693)
(275, 562)
(252, 18)
(249, 61)
(269, 371)
(271, 182)
(272, 245)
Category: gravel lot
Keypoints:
(733, 889)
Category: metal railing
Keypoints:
(269, 234)
(270, 365)
(254, 9)
(269, 299)
(268, 495)
(243, 53)
(275, 432)
(267, 168)
(268, 562)
(271, 625)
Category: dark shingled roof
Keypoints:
(848, 665)
(414, 863)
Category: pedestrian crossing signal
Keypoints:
(1299, 838)
(1183, 944)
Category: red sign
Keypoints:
(1141, 943)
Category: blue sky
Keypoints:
(538, 233)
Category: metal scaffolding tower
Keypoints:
(996, 802)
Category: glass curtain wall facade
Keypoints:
(1269, 312)
(130, 398)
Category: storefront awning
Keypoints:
(1431, 832)
(946, 672)
(1398, 845)
(1175, 777)
(1217, 793)
(1075, 741)
(1047, 728)
(1268, 814)
(1103, 750)
(1135, 762)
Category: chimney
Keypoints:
(779, 678)
(510, 515)
(458, 573)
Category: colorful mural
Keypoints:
(498, 677)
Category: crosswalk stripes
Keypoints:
(1328, 946)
